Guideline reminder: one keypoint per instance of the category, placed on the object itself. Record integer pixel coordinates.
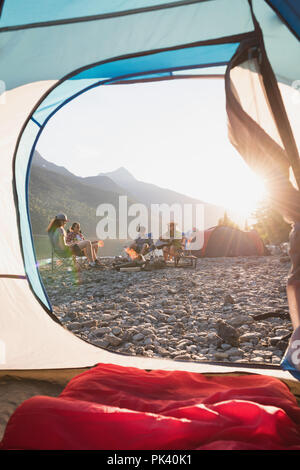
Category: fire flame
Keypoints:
(131, 253)
(100, 243)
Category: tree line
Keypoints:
(269, 224)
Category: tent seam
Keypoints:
(104, 16)
(13, 276)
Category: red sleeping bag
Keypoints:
(118, 408)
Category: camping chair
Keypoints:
(155, 251)
(64, 260)
(181, 254)
(183, 257)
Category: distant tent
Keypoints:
(228, 241)
(54, 51)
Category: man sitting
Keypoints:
(142, 243)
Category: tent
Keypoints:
(222, 240)
(53, 51)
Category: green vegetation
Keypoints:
(227, 222)
(270, 225)
(51, 193)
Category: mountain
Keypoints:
(55, 189)
(38, 160)
(148, 194)
(103, 182)
(121, 176)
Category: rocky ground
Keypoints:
(225, 310)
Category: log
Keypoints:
(277, 313)
(130, 270)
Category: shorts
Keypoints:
(76, 250)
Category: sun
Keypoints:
(229, 183)
(246, 192)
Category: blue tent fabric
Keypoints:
(278, 39)
(31, 12)
(180, 59)
(55, 51)
(21, 170)
(289, 10)
(18, 12)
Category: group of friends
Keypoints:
(73, 243)
(171, 243)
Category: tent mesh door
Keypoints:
(259, 127)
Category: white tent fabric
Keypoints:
(17, 104)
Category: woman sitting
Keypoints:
(75, 237)
(57, 234)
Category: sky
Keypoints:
(171, 133)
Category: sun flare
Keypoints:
(244, 196)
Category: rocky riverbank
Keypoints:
(225, 310)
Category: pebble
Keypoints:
(138, 337)
(101, 331)
(252, 337)
(228, 333)
(179, 313)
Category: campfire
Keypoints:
(132, 254)
(136, 260)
